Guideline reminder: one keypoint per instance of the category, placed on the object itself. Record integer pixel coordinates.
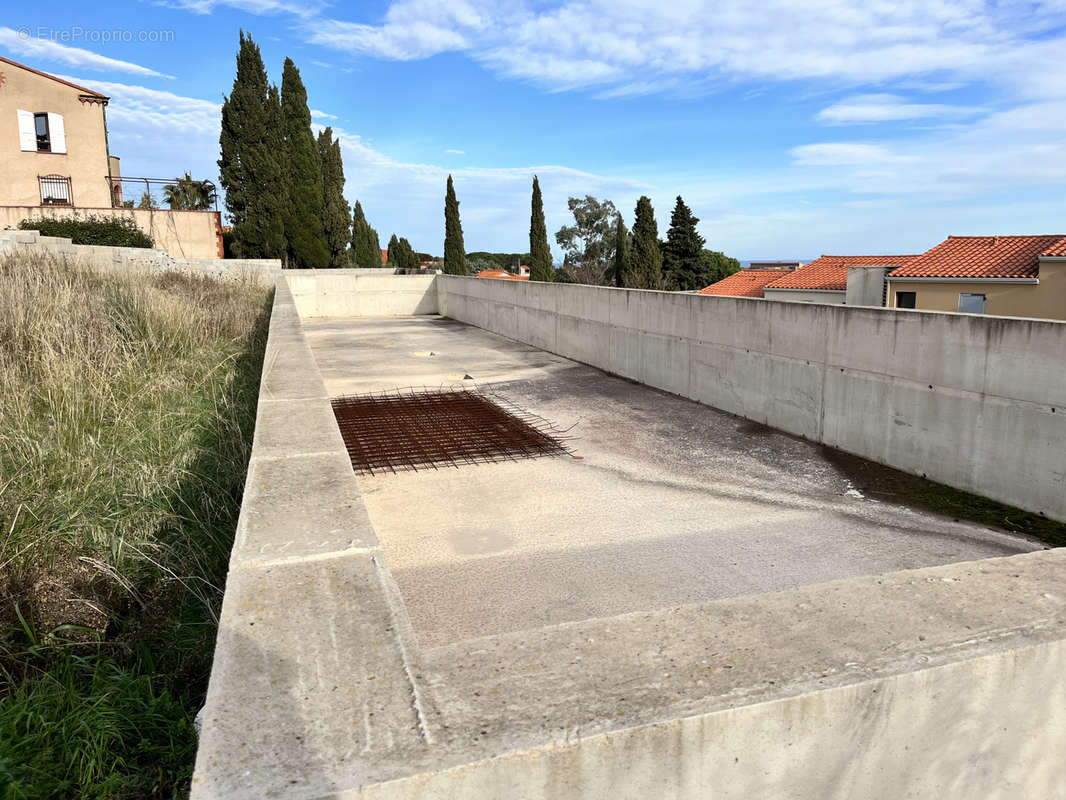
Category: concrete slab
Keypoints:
(569, 629)
(671, 503)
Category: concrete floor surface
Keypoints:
(670, 503)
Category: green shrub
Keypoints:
(92, 229)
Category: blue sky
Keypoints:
(791, 129)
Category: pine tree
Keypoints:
(250, 165)
(621, 253)
(305, 234)
(366, 251)
(335, 219)
(454, 252)
(682, 266)
(645, 260)
(540, 254)
(394, 257)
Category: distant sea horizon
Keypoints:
(747, 264)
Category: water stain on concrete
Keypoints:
(479, 542)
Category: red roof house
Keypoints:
(746, 283)
(825, 280)
(1020, 276)
(502, 274)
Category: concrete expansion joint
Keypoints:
(309, 454)
(281, 561)
(401, 627)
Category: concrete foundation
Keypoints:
(966, 400)
(523, 631)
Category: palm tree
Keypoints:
(189, 195)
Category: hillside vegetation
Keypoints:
(127, 405)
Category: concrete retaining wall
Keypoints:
(978, 403)
(365, 293)
(124, 259)
(179, 234)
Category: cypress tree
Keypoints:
(645, 260)
(540, 254)
(305, 234)
(373, 248)
(272, 181)
(394, 252)
(407, 254)
(683, 267)
(454, 252)
(366, 250)
(335, 219)
(621, 253)
(250, 165)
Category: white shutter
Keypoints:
(57, 135)
(27, 131)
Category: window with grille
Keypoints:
(55, 190)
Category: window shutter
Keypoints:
(27, 131)
(56, 133)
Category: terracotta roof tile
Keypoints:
(501, 273)
(984, 257)
(831, 272)
(1057, 250)
(746, 283)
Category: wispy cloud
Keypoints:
(144, 108)
(494, 201)
(628, 48)
(316, 114)
(24, 42)
(455, 152)
(835, 154)
(303, 8)
(871, 108)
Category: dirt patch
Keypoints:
(65, 595)
(893, 486)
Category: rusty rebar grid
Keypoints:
(413, 428)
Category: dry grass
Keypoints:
(127, 404)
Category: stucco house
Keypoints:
(1016, 276)
(825, 280)
(53, 141)
(56, 162)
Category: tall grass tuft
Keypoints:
(127, 405)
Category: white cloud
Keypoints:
(412, 29)
(631, 47)
(494, 201)
(455, 152)
(303, 8)
(315, 114)
(889, 108)
(25, 42)
(833, 154)
(141, 107)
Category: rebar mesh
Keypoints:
(408, 429)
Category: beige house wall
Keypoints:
(1043, 300)
(85, 161)
(182, 234)
(805, 296)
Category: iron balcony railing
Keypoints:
(176, 193)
